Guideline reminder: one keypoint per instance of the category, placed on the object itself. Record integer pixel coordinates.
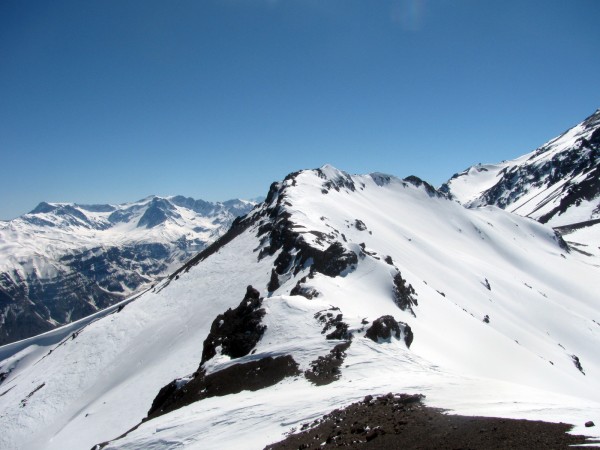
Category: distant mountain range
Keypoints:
(64, 261)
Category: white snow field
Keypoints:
(76, 387)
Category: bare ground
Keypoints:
(400, 421)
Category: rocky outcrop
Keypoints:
(237, 331)
(385, 328)
(327, 369)
(303, 290)
(333, 324)
(249, 376)
(404, 294)
(577, 363)
(278, 233)
(340, 181)
(418, 182)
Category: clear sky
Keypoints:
(113, 100)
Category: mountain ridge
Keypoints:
(493, 331)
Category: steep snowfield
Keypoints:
(540, 304)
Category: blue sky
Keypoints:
(114, 100)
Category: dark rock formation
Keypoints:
(404, 294)
(304, 291)
(386, 327)
(561, 242)
(360, 225)
(335, 260)
(342, 181)
(571, 174)
(585, 190)
(487, 285)
(250, 376)
(295, 254)
(278, 233)
(333, 320)
(577, 363)
(238, 330)
(273, 284)
(326, 369)
(416, 181)
(383, 328)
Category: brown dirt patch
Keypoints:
(401, 421)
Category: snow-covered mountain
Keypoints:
(557, 184)
(62, 261)
(336, 287)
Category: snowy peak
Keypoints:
(158, 211)
(330, 179)
(558, 184)
(66, 215)
(582, 136)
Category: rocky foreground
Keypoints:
(401, 421)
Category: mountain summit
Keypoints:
(335, 288)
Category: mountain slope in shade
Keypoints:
(62, 262)
(360, 285)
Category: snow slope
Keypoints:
(61, 261)
(501, 313)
